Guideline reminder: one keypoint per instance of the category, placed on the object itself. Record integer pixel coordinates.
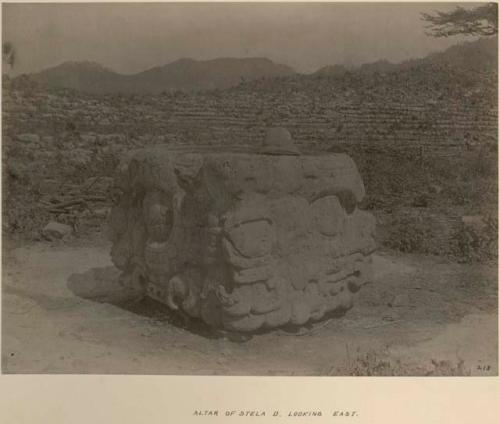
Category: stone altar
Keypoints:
(243, 239)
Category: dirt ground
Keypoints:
(63, 312)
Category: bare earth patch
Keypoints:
(63, 312)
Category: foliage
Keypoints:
(481, 20)
(419, 200)
(8, 53)
(478, 245)
(374, 363)
(408, 234)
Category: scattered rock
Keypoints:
(35, 235)
(435, 188)
(420, 201)
(49, 186)
(77, 157)
(384, 266)
(88, 138)
(94, 184)
(47, 140)
(55, 230)
(101, 212)
(401, 299)
(475, 222)
(29, 138)
(389, 318)
(16, 170)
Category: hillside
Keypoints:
(429, 126)
(479, 55)
(88, 77)
(443, 100)
(184, 75)
(190, 75)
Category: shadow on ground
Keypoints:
(102, 285)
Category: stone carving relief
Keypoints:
(243, 241)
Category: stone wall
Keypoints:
(413, 135)
(438, 115)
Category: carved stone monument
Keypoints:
(243, 239)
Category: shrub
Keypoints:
(407, 233)
(478, 244)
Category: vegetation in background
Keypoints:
(481, 20)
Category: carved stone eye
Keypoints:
(329, 215)
(252, 239)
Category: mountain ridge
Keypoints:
(184, 74)
(192, 75)
(469, 54)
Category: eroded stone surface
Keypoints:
(242, 240)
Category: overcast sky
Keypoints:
(133, 37)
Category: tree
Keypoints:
(481, 20)
(8, 54)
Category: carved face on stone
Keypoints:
(158, 216)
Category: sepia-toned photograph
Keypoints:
(250, 189)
